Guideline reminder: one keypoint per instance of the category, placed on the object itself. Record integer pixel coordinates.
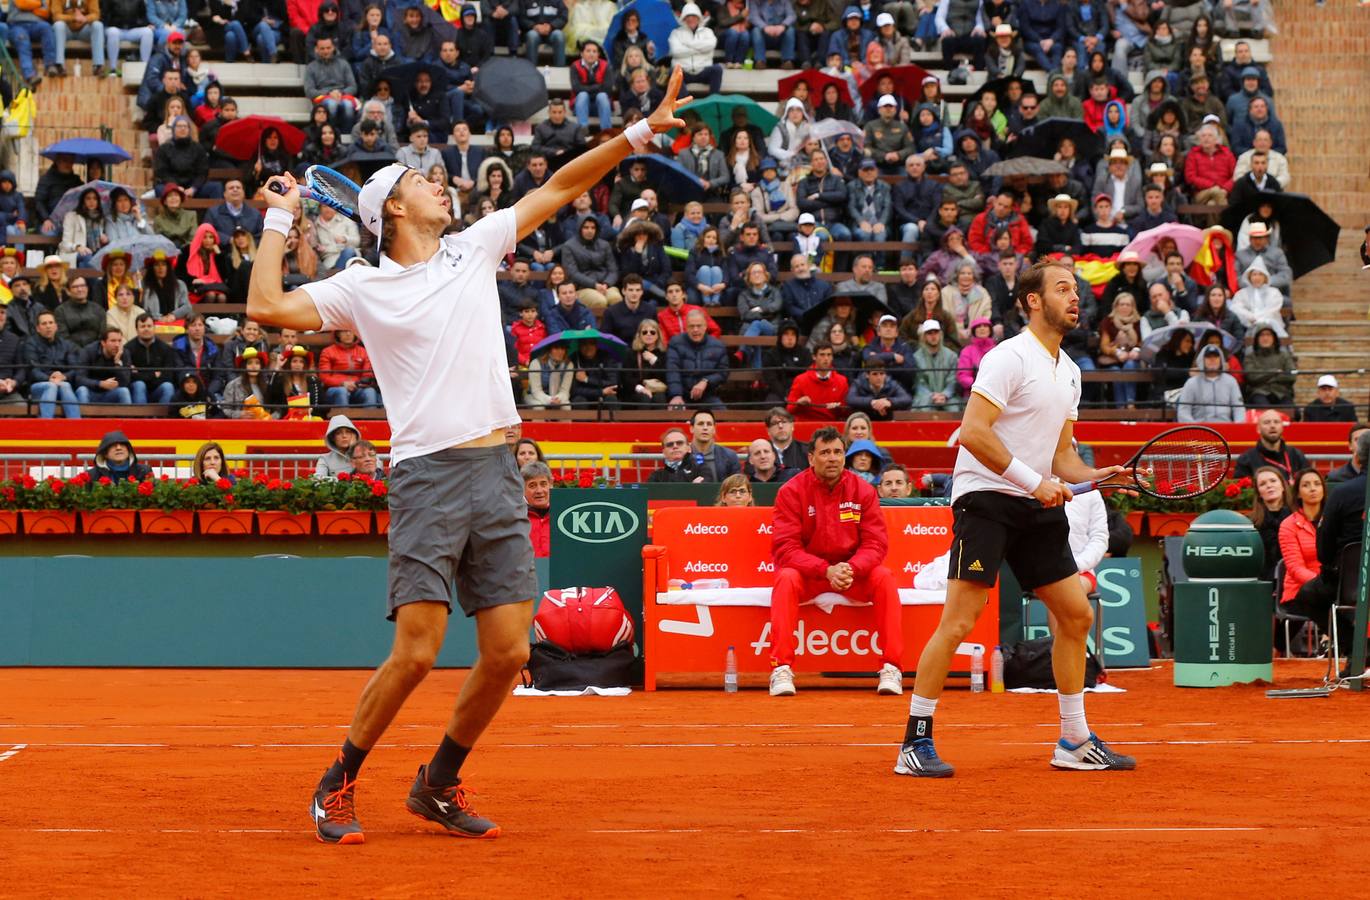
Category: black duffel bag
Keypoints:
(1027, 664)
(550, 668)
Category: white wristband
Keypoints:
(278, 220)
(1022, 475)
(639, 135)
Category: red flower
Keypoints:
(259, 478)
(81, 479)
(1164, 487)
(132, 479)
(224, 484)
(344, 476)
(29, 483)
(228, 499)
(146, 488)
(1231, 490)
(287, 485)
(378, 489)
(104, 482)
(9, 495)
(240, 473)
(187, 485)
(1243, 482)
(57, 485)
(587, 479)
(274, 484)
(166, 477)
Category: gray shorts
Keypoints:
(459, 516)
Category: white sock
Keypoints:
(1074, 729)
(921, 706)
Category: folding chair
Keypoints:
(1096, 602)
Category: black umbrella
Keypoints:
(1043, 138)
(866, 303)
(401, 78)
(1307, 234)
(510, 88)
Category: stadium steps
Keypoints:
(1321, 82)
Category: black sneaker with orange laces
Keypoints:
(447, 805)
(335, 815)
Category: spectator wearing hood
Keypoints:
(1256, 303)
(1259, 117)
(1211, 395)
(116, 460)
(13, 212)
(789, 135)
(782, 363)
(1248, 90)
(692, 46)
(1268, 370)
(125, 223)
(980, 343)
(935, 387)
(338, 441)
(327, 24)
(1145, 105)
(877, 393)
(1059, 102)
(641, 252)
(851, 38)
(591, 265)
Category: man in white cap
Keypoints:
(429, 314)
(1329, 406)
(898, 51)
(888, 140)
(692, 49)
(935, 387)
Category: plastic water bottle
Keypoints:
(709, 584)
(730, 671)
(78, 68)
(977, 670)
(996, 671)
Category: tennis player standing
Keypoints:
(1015, 435)
(430, 318)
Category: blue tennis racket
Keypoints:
(331, 188)
(1176, 464)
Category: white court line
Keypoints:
(12, 751)
(613, 725)
(1120, 829)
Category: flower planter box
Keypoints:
(284, 524)
(343, 522)
(158, 521)
(383, 521)
(225, 521)
(109, 521)
(1169, 524)
(9, 522)
(1135, 520)
(48, 522)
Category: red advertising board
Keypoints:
(699, 543)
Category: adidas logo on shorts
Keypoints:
(975, 567)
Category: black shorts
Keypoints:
(989, 528)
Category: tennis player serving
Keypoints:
(429, 315)
(1015, 435)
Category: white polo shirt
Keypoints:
(1036, 394)
(434, 335)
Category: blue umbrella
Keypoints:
(571, 340)
(668, 177)
(86, 149)
(655, 19)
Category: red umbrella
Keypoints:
(818, 83)
(908, 82)
(241, 137)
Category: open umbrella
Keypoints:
(832, 129)
(139, 248)
(1308, 235)
(908, 82)
(865, 303)
(669, 178)
(1043, 138)
(1187, 238)
(1031, 166)
(510, 87)
(86, 149)
(402, 78)
(717, 112)
(69, 200)
(1152, 343)
(241, 138)
(571, 340)
(818, 83)
(655, 19)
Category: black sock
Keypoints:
(446, 765)
(919, 727)
(346, 766)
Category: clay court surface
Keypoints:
(196, 783)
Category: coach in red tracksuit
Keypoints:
(819, 392)
(829, 535)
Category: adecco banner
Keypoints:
(597, 538)
(734, 545)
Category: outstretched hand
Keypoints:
(663, 118)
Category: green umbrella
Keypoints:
(571, 341)
(717, 112)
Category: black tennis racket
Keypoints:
(1175, 464)
(326, 186)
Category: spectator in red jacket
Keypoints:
(829, 537)
(345, 370)
(527, 331)
(671, 317)
(999, 214)
(1208, 168)
(537, 491)
(820, 392)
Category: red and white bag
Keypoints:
(583, 620)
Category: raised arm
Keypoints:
(267, 301)
(581, 173)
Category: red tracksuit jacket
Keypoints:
(815, 527)
(820, 391)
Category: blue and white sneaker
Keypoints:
(1090, 755)
(920, 760)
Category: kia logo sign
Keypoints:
(597, 522)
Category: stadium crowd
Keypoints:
(756, 282)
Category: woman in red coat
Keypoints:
(1304, 593)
